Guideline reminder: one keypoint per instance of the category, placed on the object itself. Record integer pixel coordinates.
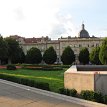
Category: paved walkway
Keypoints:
(17, 96)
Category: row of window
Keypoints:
(80, 45)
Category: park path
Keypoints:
(15, 95)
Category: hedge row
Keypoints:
(39, 65)
(85, 94)
(68, 92)
(11, 67)
(92, 96)
(24, 81)
(45, 68)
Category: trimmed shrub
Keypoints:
(105, 99)
(92, 96)
(62, 91)
(50, 56)
(68, 56)
(69, 92)
(73, 92)
(25, 81)
(40, 65)
(84, 56)
(44, 68)
(11, 67)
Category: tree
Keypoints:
(84, 56)
(103, 52)
(22, 56)
(19, 57)
(94, 56)
(3, 49)
(33, 56)
(68, 56)
(13, 49)
(50, 56)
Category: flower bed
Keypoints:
(4, 67)
(46, 68)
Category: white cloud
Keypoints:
(39, 17)
(28, 17)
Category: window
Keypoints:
(80, 45)
(97, 45)
(92, 45)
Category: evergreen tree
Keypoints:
(3, 49)
(84, 56)
(19, 57)
(68, 56)
(33, 56)
(50, 56)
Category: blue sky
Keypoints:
(53, 18)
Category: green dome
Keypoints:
(83, 33)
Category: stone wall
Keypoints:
(86, 80)
(79, 81)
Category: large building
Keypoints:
(76, 43)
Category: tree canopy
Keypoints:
(50, 56)
(33, 56)
(13, 49)
(3, 49)
(103, 52)
(94, 56)
(19, 57)
(84, 56)
(68, 56)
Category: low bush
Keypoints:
(51, 68)
(11, 67)
(32, 83)
(62, 91)
(43, 65)
(92, 96)
(71, 92)
(105, 99)
(45, 68)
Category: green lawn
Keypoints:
(54, 78)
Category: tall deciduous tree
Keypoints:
(50, 56)
(103, 52)
(3, 49)
(33, 56)
(84, 56)
(68, 56)
(94, 56)
(13, 49)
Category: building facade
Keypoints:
(76, 43)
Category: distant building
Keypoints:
(76, 43)
(83, 33)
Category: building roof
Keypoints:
(83, 33)
(31, 40)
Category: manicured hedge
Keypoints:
(92, 96)
(11, 67)
(85, 94)
(71, 92)
(32, 83)
(44, 68)
(105, 99)
(39, 65)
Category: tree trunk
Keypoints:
(9, 61)
(0, 61)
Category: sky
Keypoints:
(53, 18)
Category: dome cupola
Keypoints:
(83, 33)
